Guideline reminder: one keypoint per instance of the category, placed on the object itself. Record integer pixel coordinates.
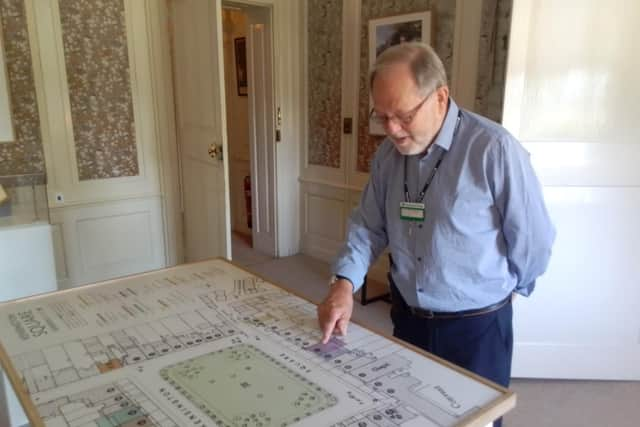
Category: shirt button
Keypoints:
(420, 290)
(420, 226)
(419, 258)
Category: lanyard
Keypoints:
(433, 172)
(426, 184)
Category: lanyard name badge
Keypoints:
(414, 211)
(411, 211)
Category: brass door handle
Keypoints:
(215, 151)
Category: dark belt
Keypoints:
(398, 301)
(428, 314)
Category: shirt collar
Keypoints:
(445, 136)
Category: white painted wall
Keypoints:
(571, 98)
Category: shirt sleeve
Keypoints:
(526, 226)
(367, 234)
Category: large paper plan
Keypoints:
(209, 344)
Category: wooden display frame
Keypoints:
(495, 409)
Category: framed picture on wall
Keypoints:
(393, 30)
(240, 49)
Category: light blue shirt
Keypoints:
(486, 230)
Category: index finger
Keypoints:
(328, 326)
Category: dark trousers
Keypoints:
(482, 344)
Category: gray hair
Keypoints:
(425, 64)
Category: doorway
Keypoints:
(246, 39)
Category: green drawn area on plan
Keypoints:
(243, 386)
(124, 418)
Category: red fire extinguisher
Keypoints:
(247, 198)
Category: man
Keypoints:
(455, 199)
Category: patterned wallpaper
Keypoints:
(325, 81)
(24, 155)
(442, 25)
(97, 64)
(492, 61)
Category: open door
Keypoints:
(262, 129)
(201, 127)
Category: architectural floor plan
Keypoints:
(209, 344)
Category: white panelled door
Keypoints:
(572, 99)
(262, 131)
(201, 122)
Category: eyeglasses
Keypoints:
(403, 119)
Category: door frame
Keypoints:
(161, 75)
(255, 158)
(289, 97)
(288, 29)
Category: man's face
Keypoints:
(410, 118)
